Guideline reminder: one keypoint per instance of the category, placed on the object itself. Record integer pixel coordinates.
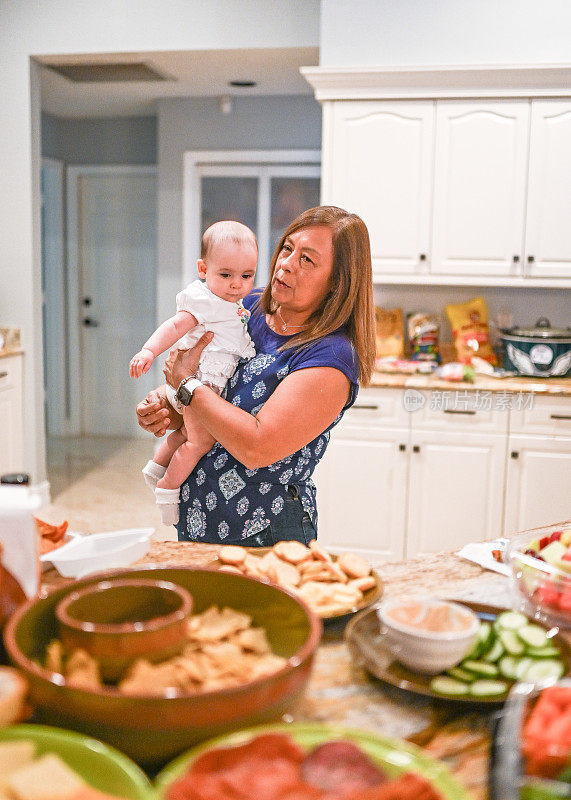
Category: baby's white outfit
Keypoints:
(229, 323)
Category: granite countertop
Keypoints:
(482, 383)
(6, 352)
(342, 693)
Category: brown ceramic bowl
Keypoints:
(154, 729)
(119, 621)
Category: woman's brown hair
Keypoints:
(349, 304)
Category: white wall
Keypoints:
(444, 32)
(76, 26)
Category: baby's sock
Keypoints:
(167, 501)
(152, 473)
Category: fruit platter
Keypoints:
(540, 563)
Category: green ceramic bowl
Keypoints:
(101, 766)
(154, 729)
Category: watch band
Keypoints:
(186, 389)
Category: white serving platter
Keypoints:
(84, 555)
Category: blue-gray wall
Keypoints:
(117, 140)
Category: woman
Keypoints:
(313, 328)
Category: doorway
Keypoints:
(112, 273)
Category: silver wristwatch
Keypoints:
(186, 389)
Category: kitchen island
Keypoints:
(340, 692)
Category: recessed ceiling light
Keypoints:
(242, 84)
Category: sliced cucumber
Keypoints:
(461, 674)
(508, 667)
(487, 688)
(549, 651)
(445, 685)
(522, 668)
(545, 669)
(532, 635)
(511, 641)
(510, 620)
(496, 652)
(485, 637)
(482, 668)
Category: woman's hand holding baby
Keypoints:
(155, 415)
(182, 363)
(141, 363)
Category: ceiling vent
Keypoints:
(107, 73)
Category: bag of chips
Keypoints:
(423, 333)
(389, 332)
(469, 322)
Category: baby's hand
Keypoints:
(140, 363)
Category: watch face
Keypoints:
(184, 396)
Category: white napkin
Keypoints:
(481, 553)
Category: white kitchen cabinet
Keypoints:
(480, 187)
(538, 484)
(379, 165)
(362, 479)
(548, 233)
(11, 429)
(397, 483)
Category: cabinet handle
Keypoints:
(402, 447)
(422, 256)
(458, 411)
(416, 448)
(530, 259)
(516, 259)
(514, 454)
(552, 416)
(3, 374)
(365, 407)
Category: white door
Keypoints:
(479, 187)
(380, 167)
(455, 490)
(538, 488)
(116, 291)
(548, 232)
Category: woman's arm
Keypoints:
(164, 337)
(304, 404)
(156, 415)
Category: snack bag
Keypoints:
(423, 332)
(471, 332)
(389, 332)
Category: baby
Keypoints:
(227, 264)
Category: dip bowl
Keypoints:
(154, 728)
(119, 621)
(426, 634)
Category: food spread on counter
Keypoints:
(272, 766)
(51, 536)
(469, 322)
(551, 590)
(546, 743)
(224, 650)
(424, 617)
(329, 586)
(510, 649)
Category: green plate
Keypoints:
(393, 755)
(101, 766)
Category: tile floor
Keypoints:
(96, 484)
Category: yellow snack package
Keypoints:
(389, 332)
(469, 322)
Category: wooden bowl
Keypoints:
(154, 729)
(120, 621)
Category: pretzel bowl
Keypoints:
(153, 728)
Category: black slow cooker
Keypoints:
(540, 352)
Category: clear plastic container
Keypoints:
(541, 589)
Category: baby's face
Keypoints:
(229, 270)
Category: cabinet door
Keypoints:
(455, 490)
(548, 232)
(538, 487)
(479, 187)
(361, 492)
(11, 429)
(380, 167)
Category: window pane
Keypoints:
(290, 196)
(229, 198)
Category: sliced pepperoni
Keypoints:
(341, 766)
